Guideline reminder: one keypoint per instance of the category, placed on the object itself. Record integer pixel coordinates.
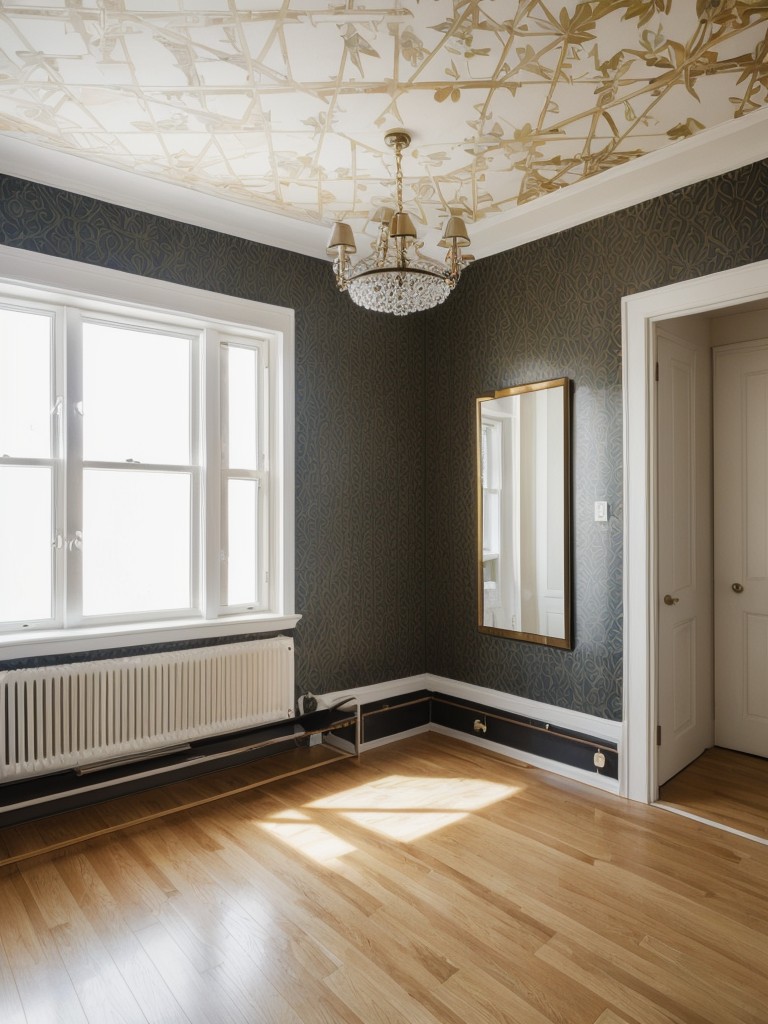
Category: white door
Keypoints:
(684, 568)
(741, 546)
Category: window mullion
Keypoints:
(59, 434)
(197, 455)
(268, 552)
(73, 498)
(211, 398)
(223, 475)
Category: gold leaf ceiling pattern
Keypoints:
(283, 104)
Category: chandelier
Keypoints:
(396, 277)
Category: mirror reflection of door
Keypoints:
(523, 513)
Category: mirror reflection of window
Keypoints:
(491, 501)
(501, 591)
(523, 513)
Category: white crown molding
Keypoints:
(711, 152)
(21, 158)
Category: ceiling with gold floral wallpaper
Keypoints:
(280, 106)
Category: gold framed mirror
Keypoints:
(524, 513)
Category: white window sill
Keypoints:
(74, 641)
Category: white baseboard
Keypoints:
(576, 721)
(376, 691)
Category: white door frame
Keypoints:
(637, 770)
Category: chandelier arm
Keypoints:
(382, 243)
(453, 260)
(402, 257)
(342, 266)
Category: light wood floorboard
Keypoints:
(723, 786)
(427, 883)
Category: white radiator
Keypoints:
(68, 716)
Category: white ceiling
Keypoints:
(266, 118)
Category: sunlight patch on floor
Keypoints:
(406, 808)
(400, 807)
(298, 831)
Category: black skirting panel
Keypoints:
(527, 735)
(388, 718)
(385, 718)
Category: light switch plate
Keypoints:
(601, 511)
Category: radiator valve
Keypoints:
(307, 704)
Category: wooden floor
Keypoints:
(58, 832)
(723, 786)
(428, 882)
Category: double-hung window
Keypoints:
(144, 477)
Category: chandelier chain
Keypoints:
(399, 175)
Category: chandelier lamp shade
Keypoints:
(396, 277)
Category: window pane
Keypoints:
(136, 401)
(242, 564)
(25, 384)
(26, 553)
(137, 538)
(243, 423)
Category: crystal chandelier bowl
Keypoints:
(400, 291)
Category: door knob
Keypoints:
(737, 588)
(668, 599)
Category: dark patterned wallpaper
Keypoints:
(386, 566)
(359, 423)
(553, 309)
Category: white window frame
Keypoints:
(101, 291)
